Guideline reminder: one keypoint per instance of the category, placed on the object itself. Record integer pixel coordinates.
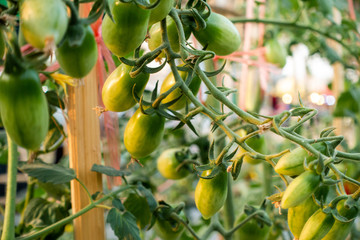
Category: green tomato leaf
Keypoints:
(123, 225)
(148, 196)
(51, 173)
(139, 207)
(109, 171)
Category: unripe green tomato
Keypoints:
(169, 81)
(24, 108)
(292, 163)
(155, 33)
(300, 189)
(210, 194)
(220, 35)
(129, 29)
(78, 60)
(160, 11)
(43, 22)
(143, 133)
(166, 231)
(297, 216)
(341, 230)
(275, 53)
(168, 162)
(317, 226)
(117, 92)
(251, 230)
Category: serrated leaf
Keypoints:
(51, 173)
(109, 171)
(118, 204)
(123, 225)
(139, 207)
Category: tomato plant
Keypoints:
(160, 11)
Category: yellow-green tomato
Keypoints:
(210, 194)
(117, 92)
(43, 22)
(143, 133)
(168, 162)
(168, 230)
(251, 230)
(169, 81)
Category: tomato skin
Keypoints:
(143, 134)
(42, 21)
(129, 29)
(210, 194)
(251, 230)
(165, 231)
(220, 35)
(300, 189)
(24, 109)
(341, 230)
(292, 163)
(117, 90)
(169, 81)
(160, 11)
(167, 164)
(77, 61)
(297, 216)
(156, 38)
(275, 53)
(318, 225)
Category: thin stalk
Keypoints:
(229, 212)
(9, 218)
(71, 217)
(28, 197)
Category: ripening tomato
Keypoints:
(43, 22)
(169, 81)
(210, 194)
(23, 106)
(168, 162)
(78, 60)
(117, 92)
(220, 35)
(143, 133)
(129, 29)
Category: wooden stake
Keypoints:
(84, 151)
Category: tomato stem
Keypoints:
(9, 218)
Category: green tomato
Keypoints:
(168, 161)
(317, 226)
(118, 88)
(129, 29)
(297, 216)
(220, 35)
(169, 81)
(210, 194)
(300, 189)
(155, 39)
(160, 11)
(24, 109)
(168, 230)
(78, 60)
(252, 230)
(43, 22)
(275, 53)
(143, 134)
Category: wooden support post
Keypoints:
(84, 151)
